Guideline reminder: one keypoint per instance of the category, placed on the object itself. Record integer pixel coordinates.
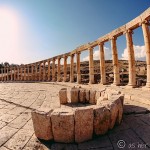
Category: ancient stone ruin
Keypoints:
(49, 70)
(82, 114)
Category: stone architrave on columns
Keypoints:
(115, 61)
(78, 67)
(65, 68)
(91, 66)
(53, 70)
(58, 69)
(131, 59)
(49, 70)
(72, 68)
(102, 63)
(146, 35)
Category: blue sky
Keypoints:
(40, 29)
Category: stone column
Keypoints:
(11, 71)
(58, 70)
(28, 67)
(40, 71)
(44, 71)
(78, 67)
(131, 59)
(53, 70)
(18, 73)
(32, 72)
(14, 73)
(7, 73)
(115, 61)
(65, 68)
(91, 66)
(102, 64)
(2, 74)
(21, 73)
(146, 34)
(25, 73)
(72, 68)
(49, 70)
(36, 72)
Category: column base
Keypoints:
(129, 86)
(146, 88)
(115, 84)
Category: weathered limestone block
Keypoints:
(63, 125)
(83, 124)
(87, 96)
(74, 95)
(42, 124)
(114, 114)
(92, 97)
(101, 120)
(82, 95)
(63, 96)
(120, 109)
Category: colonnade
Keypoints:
(46, 70)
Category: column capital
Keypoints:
(128, 31)
(144, 22)
(101, 43)
(65, 56)
(112, 38)
(90, 48)
(58, 57)
(78, 52)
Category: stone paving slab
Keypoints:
(17, 100)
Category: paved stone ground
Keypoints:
(16, 130)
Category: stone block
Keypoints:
(101, 120)
(92, 97)
(42, 125)
(63, 96)
(83, 124)
(74, 95)
(113, 114)
(82, 95)
(87, 96)
(63, 125)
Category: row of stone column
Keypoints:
(24, 72)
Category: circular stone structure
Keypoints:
(84, 114)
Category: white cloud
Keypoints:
(139, 52)
(96, 55)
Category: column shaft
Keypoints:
(131, 59)
(25, 73)
(102, 63)
(44, 71)
(40, 71)
(78, 68)
(21, 73)
(11, 71)
(32, 68)
(53, 71)
(18, 73)
(146, 35)
(72, 68)
(115, 62)
(91, 66)
(7, 73)
(65, 69)
(49, 70)
(58, 69)
(28, 72)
